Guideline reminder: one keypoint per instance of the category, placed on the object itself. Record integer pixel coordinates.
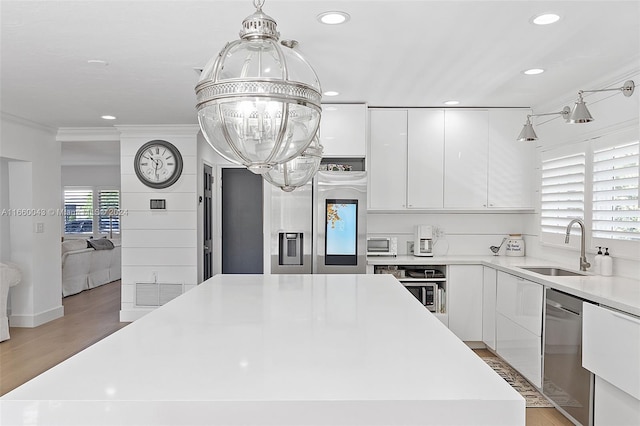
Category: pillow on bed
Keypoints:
(72, 245)
(100, 244)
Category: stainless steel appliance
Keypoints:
(382, 246)
(425, 292)
(566, 383)
(423, 240)
(321, 227)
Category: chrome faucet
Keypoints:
(583, 258)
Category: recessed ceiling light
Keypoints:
(545, 19)
(533, 71)
(331, 93)
(334, 17)
(98, 62)
(108, 117)
(451, 102)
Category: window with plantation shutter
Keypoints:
(108, 206)
(616, 172)
(78, 210)
(562, 192)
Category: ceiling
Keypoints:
(390, 53)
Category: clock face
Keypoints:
(158, 164)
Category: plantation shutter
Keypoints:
(109, 202)
(78, 210)
(562, 192)
(616, 171)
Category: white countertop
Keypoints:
(616, 292)
(276, 350)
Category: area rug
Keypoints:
(534, 399)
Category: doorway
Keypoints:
(207, 237)
(242, 229)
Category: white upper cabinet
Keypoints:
(387, 162)
(425, 158)
(511, 163)
(343, 130)
(449, 158)
(465, 158)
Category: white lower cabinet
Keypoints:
(489, 307)
(520, 348)
(519, 324)
(611, 351)
(464, 288)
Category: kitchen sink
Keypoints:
(556, 272)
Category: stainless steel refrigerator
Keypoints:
(320, 228)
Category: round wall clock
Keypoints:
(158, 164)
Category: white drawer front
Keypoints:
(611, 347)
(520, 300)
(520, 348)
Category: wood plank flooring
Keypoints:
(94, 314)
(88, 317)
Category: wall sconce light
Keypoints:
(528, 134)
(581, 114)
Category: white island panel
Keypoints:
(275, 350)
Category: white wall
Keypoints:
(159, 243)
(462, 233)
(613, 113)
(5, 246)
(91, 176)
(34, 185)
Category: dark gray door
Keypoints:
(242, 235)
(207, 197)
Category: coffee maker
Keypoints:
(423, 241)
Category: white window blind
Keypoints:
(109, 202)
(616, 173)
(562, 192)
(78, 208)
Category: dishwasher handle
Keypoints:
(562, 308)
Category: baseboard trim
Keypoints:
(32, 321)
(131, 315)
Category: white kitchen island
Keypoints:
(274, 350)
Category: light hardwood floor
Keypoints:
(94, 314)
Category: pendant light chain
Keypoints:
(258, 4)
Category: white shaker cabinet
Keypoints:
(387, 162)
(519, 325)
(489, 285)
(611, 351)
(343, 130)
(465, 158)
(425, 158)
(511, 164)
(464, 293)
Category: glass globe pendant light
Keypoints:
(258, 101)
(297, 172)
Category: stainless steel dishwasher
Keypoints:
(565, 381)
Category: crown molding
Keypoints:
(26, 122)
(88, 134)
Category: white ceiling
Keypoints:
(391, 53)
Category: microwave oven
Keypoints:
(382, 246)
(425, 292)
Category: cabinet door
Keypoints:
(388, 159)
(511, 164)
(465, 158)
(612, 406)
(489, 307)
(425, 154)
(520, 348)
(520, 300)
(343, 130)
(464, 287)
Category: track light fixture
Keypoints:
(581, 114)
(528, 134)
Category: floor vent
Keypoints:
(157, 294)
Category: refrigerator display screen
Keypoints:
(341, 232)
